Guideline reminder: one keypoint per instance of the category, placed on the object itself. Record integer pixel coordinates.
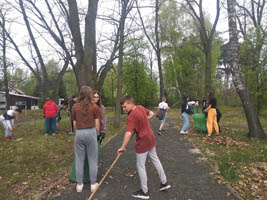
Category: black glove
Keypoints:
(103, 135)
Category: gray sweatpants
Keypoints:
(7, 124)
(86, 139)
(141, 167)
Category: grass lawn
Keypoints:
(33, 162)
(241, 161)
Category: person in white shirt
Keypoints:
(7, 120)
(162, 114)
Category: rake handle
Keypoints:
(104, 177)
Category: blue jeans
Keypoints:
(185, 117)
(50, 124)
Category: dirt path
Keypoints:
(190, 179)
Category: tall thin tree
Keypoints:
(206, 35)
(254, 125)
(4, 58)
(155, 44)
(126, 6)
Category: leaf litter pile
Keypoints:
(225, 141)
(254, 180)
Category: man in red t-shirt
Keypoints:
(137, 123)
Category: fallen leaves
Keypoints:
(195, 151)
(253, 179)
(226, 141)
(129, 174)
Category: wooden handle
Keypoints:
(104, 177)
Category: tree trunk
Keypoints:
(206, 36)
(44, 86)
(208, 70)
(155, 45)
(161, 82)
(89, 59)
(120, 63)
(254, 125)
(5, 63)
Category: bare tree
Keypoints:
(4, 58)
(254, 125)
(37, 66)
(80, 55)
(126, 6)
(155, 45)
(206, 35)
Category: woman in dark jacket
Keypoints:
(185, 110)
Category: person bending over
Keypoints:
(7, 120)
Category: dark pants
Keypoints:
(50, 124)
(72, 126)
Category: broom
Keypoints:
(104, 177)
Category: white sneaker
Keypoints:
(93, 187)
(79, 187)
(183, 132)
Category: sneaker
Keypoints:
(164, 187)
(7, 139)
(94, 187)
(159, 132)
(79, 187)
(53, 134)
(46, 134)
(140, 194)
(183, 132)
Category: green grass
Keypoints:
(30, 165)
(231, 160)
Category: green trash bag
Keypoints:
(200, 122)
(195, 110)
(86, 177)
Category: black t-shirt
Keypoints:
(213, 103)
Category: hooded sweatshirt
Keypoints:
(50, 109)
(184, 106)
